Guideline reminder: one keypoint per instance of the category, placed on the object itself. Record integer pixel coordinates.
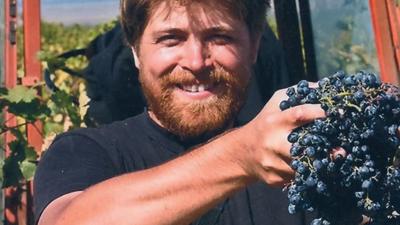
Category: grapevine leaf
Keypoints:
(64, 100)
(21, 94)
(3, 91)
(74, 116)
(53, 127)
(18, 149)
(11, 172)
(28, 169)
(30, 111)
(61, 98)
(1, 171)
(30, 154)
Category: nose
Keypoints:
(196, 56)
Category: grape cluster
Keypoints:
(363, 117)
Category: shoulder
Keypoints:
(105, 136)
(102, 143)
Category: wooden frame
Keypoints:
(385, 22)
(19, 211)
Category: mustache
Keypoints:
(182, 77)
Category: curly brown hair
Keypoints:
(136, 13)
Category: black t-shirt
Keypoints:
(82, 158)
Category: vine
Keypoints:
(57, 111)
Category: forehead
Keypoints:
(196, 15)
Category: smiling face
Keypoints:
(195, 65)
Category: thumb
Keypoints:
(303, 114)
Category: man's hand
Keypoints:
(268, 154)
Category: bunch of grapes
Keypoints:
(363, 117)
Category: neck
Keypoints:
(204, 137)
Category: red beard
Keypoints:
(189, 120)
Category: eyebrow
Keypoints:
(168, 31)
(172, 30)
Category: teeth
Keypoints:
(196, 88)
(201, 87)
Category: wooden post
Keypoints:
(33, 75)
(19, 211)
(10, 68)
(385, 46)
(33, 72)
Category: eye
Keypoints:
(169, 40)
(220, 39)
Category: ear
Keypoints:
(255, 46)
(136, 58)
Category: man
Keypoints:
(181, 162)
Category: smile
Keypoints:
(196, 88)
(193, 92)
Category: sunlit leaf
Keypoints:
(30, 154)
(53, 127)
(20, 94)
(28, 169)
(1, 171)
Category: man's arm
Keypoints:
(181, 190)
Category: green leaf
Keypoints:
(3, 91)
(61, 98)
(1, 171)
(18, 150)
(21, 94)
(74, 116)
(11, 172)
(53, 127)
(28, 169)
(30, 154)
(30, 111)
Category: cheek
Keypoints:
(235, 60)
(162, 62)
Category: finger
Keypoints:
(280, 95)
(338, 152)
(303, 114)
(365, 220)
(273, 104)
(313, 84)
(280, 175)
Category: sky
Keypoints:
(79, 11)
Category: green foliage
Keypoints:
(343, 37)
(24, 103)
(58, 111)
(20, 94)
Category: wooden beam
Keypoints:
(33, 75)
(384, 41)
(10, 80)
(33, 71)
(394, 19)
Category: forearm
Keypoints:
(176, 192)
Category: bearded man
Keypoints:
(184, 161)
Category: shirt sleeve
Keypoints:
(72, 163)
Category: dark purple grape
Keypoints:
(363, 119)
